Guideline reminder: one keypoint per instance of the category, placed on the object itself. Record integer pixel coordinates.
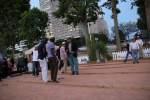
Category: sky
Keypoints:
(127, 14)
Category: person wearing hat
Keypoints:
(140, 43)
(42, 59)
(52, 59)
(134, 48)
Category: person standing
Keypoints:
(128, 52)
(42, 59)
(52, 59)
(35, 70)
(63, 57)
(134, 48)
(72, 52)
(140, 43)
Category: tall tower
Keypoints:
(56, 26)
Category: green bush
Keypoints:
(92, 49)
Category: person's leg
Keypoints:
(37, 68)
(55, 69)
(76, 65)
(33, 68)
(65, 65)
(133, 56)
(44, 70)
(136, 56)
(52, 68)
(71, 63)
(126, 56)
(141, 52)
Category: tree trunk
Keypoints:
(85, 33)
(113, 3)
(13, 51)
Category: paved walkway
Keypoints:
(110, 81)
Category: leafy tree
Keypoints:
(102, 37)
(143, 19)
(112, 5)
(78, 12)
(10, 14)
(125, 29)
(142, 22)
(33, 24)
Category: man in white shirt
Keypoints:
(140, 43)
(134, 48)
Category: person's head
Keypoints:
(69, 39)
(63, 43)
(134, 39)
(52, 39)
(44, 41)
(36, 48)
(138, 37)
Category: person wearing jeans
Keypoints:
(72, 56)
(134, 48)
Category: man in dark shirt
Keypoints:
(128, 52)
(72, 51)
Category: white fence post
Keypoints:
(122, 54)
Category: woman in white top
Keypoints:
(35, 62)
(63, 57)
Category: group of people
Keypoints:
(6, 66)
(134, 48)
(49, 56)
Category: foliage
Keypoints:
(33, 24)
(128, 27)
(102, 37)
(112, 5)
(92, 49)
(10, 14)
(108, 5)
(76, 11)
(121, 35)
(141, 23)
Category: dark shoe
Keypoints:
(73, 73)
(55, 81)
(76, 73)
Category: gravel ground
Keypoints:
(109, 81)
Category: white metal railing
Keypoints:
(122, 54)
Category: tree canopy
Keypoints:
(76, 11)
(33, 24)
(10, 14)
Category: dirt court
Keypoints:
(105, 81)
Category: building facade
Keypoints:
(62, 31)
(56, 27)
